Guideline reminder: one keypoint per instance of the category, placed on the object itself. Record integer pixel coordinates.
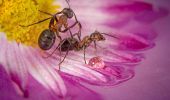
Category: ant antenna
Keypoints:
(110, 35)
(36, 22)
(68, 3)
(46, 13)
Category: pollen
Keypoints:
(15, 13)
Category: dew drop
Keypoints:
(96, 63)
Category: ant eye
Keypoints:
(68, 12)
(102, 38)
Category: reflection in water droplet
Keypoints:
(96, 63)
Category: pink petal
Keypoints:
(73, 66)
(144, 31)
(115, 14)
(44, 73)
(150, 16)
(129, 6)
(110, 13)
(24, 61)
(17, 70)
(134, 42)
(116, 73)
(3, 50)
(80, 70)
(133, 10)
(76, 91)
(119, 55)
(112, 73)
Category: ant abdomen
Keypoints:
(46, 39)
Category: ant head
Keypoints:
(101, 37)
(97, 35)
(68, 12)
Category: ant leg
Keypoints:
(75, 16)
(57, 33)
(63, 31)
(80, 26)
(54, 49)
(60, 58)
(65, 25)
(55, 17)
(68, 3)
(35, 22)
(84, 55)
(64, 56)
(95, 46)
(111, 35)
(70, 33)
(51, 24)
(79, 32)
(49, 13)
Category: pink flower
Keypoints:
(113, 63)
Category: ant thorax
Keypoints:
(68, 44)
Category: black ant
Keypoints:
(70, 44)
(48, 36)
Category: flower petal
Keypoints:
(44, 73)
(140, 11)
(3, 50)
(74, 68)
(108, 15)
(76, 91)
(151, 16)
(79, 70)
(111, 74)
(119, 54)
(115, 73)
(17, 70)
(134, 42)
(26, 59)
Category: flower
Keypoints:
(111, 64)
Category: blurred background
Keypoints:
(152, 78)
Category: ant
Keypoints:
(48, 36)
(70, 44)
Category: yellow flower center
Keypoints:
(14, 13)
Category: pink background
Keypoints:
(152, 78)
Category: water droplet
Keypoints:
(96, 63)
